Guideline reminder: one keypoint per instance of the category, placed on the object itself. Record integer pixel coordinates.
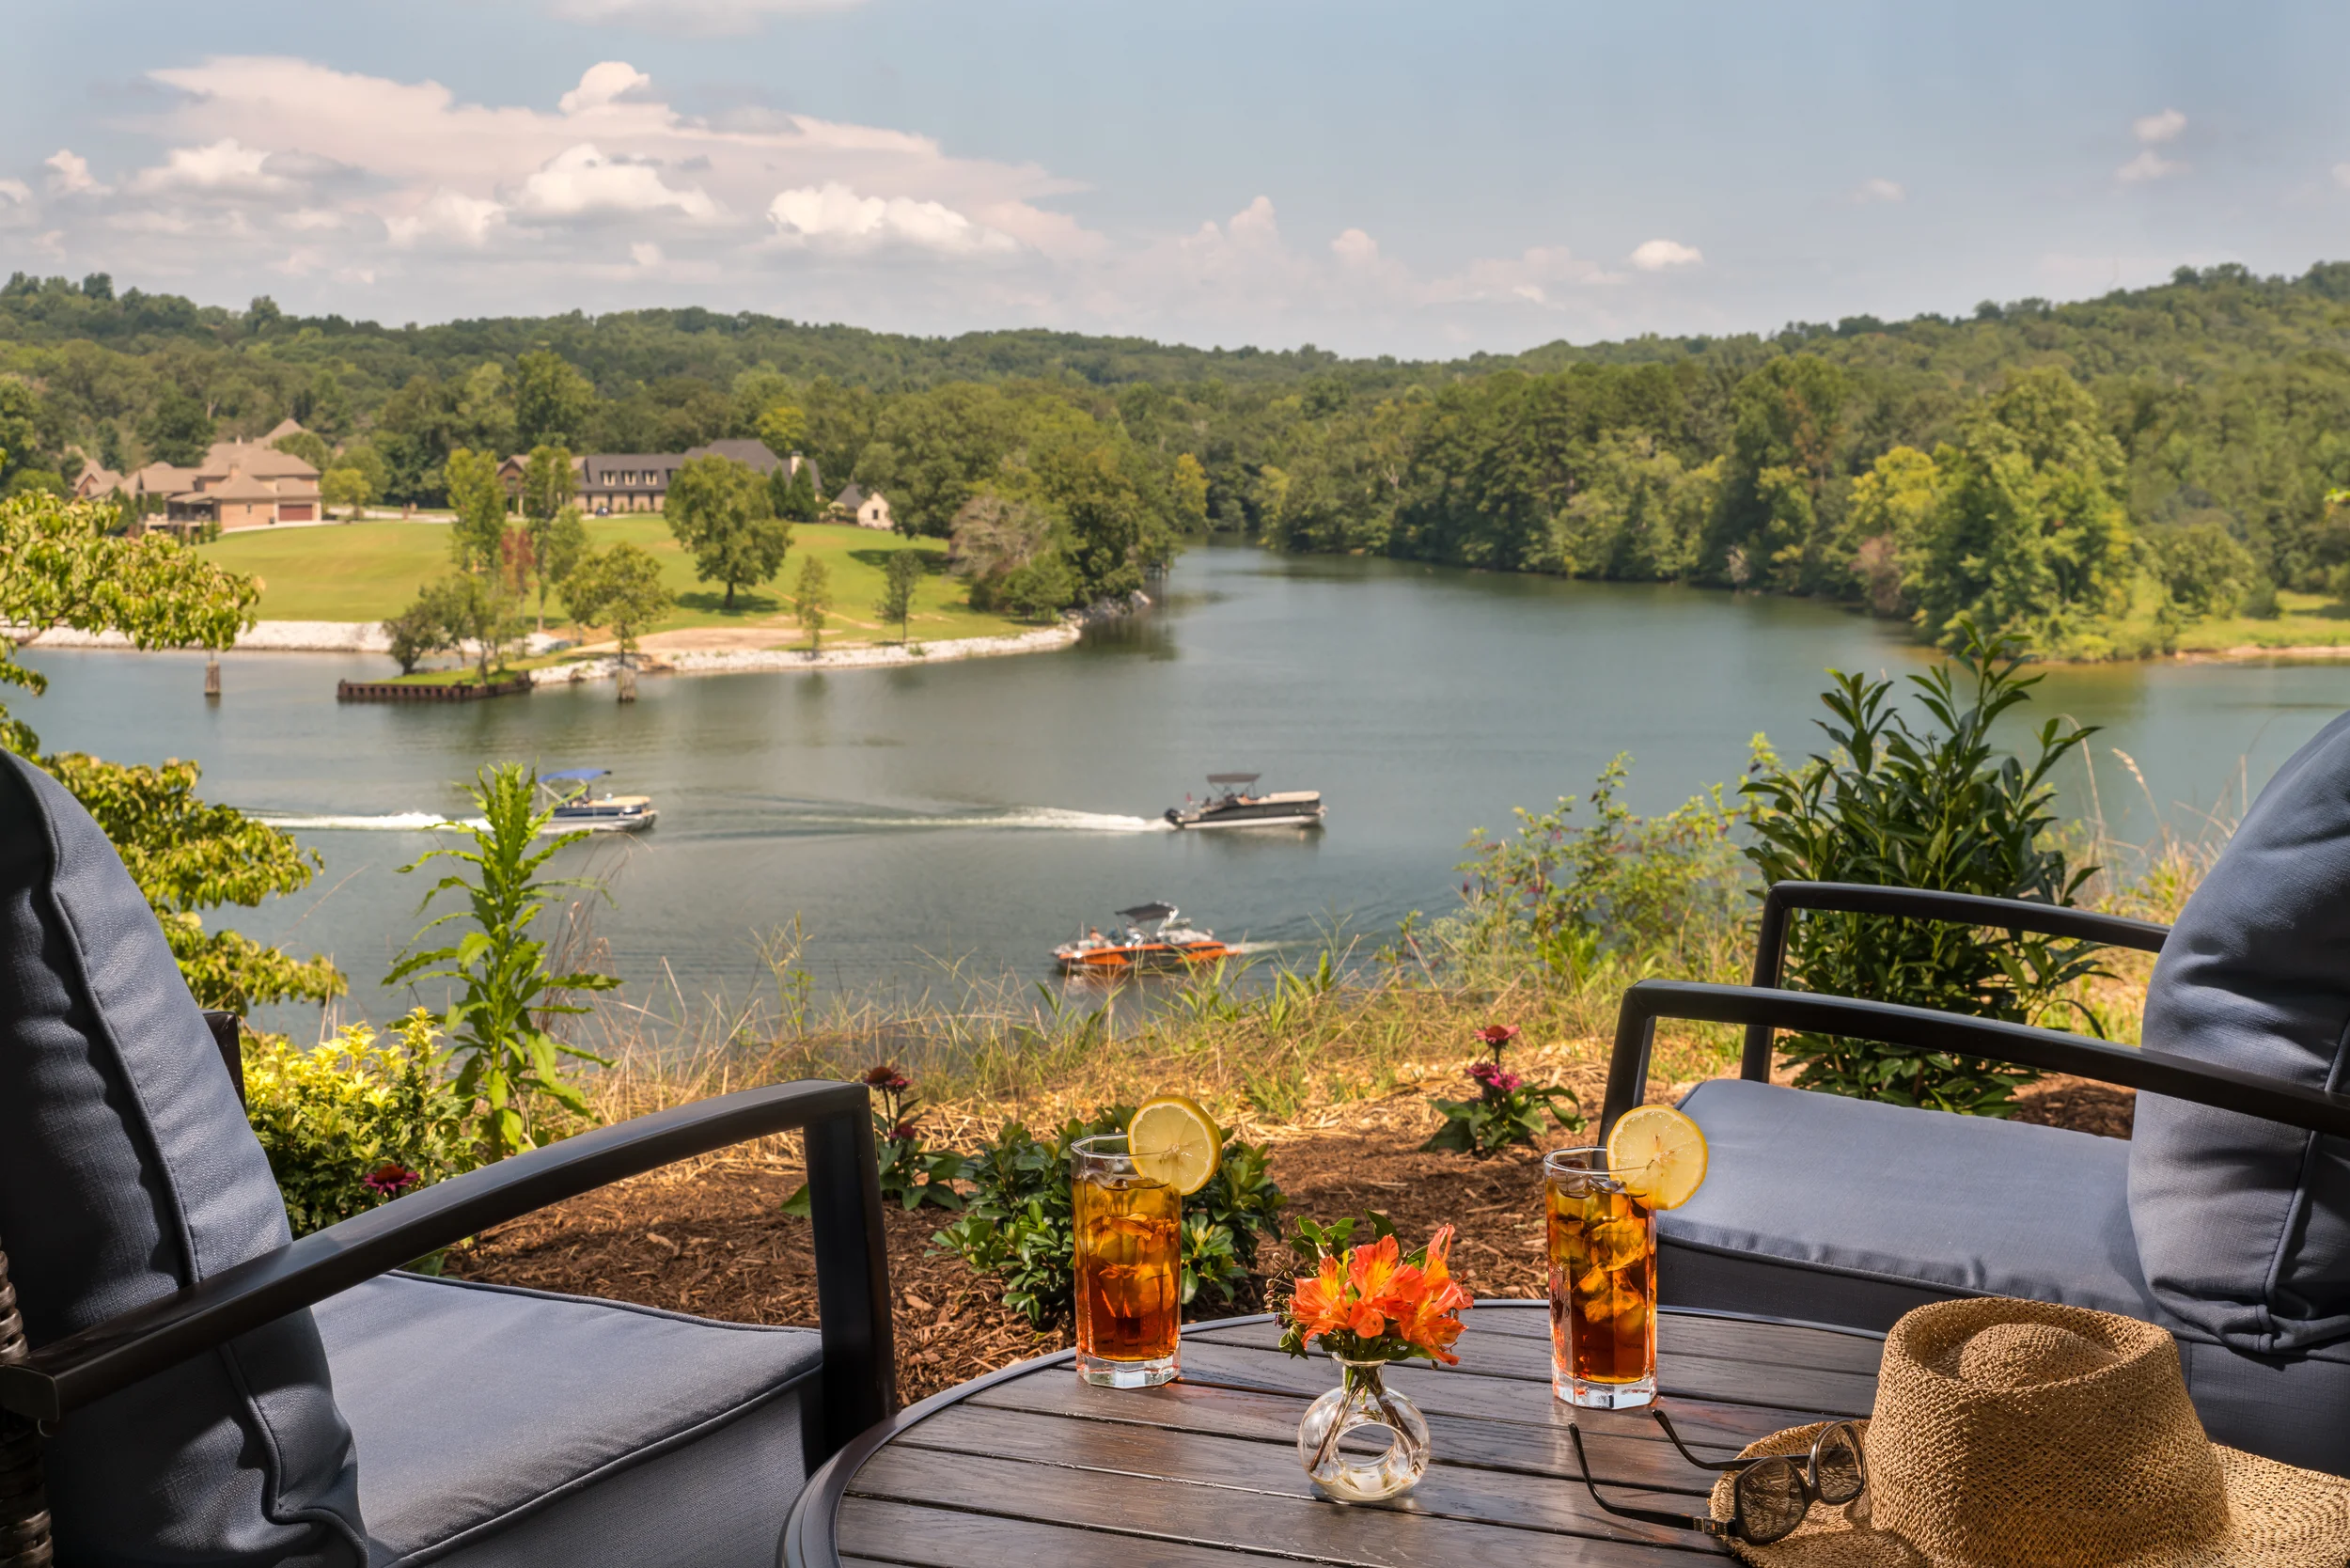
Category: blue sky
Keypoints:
(1375, 178)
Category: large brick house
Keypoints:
(608, 482)
(240, 484)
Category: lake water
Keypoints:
(975, 813)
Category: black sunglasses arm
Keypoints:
(1666, 1421)
(1718, 1527)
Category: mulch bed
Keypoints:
(709, 1238)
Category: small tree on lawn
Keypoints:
(811, 600)
(898, 582)
(477, 539)
(719, 509)
(477, 610)
(511, 1065)
(619, 587)
(557, 546)
(345, 487)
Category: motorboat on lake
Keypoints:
(1169, 942)
(1234, 802)
(576, 807)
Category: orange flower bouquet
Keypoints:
(1368, 1306)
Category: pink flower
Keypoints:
(887, 1079)
(1498, 1035)
(902, 1133)
(391, 1179)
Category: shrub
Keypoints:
(355, 1122)
(910, 1173)
(1934, 808)
(1019, 1225)
(1507, 1110)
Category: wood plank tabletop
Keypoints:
(1031, 1466)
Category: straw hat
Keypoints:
(2023, 1435)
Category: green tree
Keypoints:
(811, 598)
(717, 509)
(1190, 486)
(178, 430)
(557, 546)
(791, 492)
(554, 404)
(510, 1065)
(1892, 506)
(477, 538)
(418, 631)
(2203, 567)
(1105, 523)
(619, 587)
(309, 447)
(2031, 539)
(1777, 524)
(900, 578)
(347, 488)
(60, 566)
(548, 483)
(784, 427)
(476, 608)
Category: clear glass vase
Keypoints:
(1362, 1399)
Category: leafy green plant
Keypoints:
(1623, 889)
(511, 1062)
(1936, 807)
(1507, 1110)
(1019, 1226)
(355, 1122)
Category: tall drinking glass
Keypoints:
(1129, 1267)
(1603, 1284)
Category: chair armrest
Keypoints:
(1921, 1028)
(851, 1262)
(1919, 904)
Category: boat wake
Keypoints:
(390, 822)
(1018, 819)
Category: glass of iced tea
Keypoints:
(1129, 1267)
(1603, 1284)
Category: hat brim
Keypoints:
(2279, 1517)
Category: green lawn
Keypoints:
(369, 570)
(2302, 621)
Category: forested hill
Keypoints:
(2093, 475)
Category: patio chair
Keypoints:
(182, 1383)
(2225, 1218)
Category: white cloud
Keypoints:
(605, 82)
(1869, 192)
(693, 17)
(2149, 164)
(834, 215)
(2154, 130)
(1655, 256)
(645, 253)
(227, 166)
(580, 182)
(1355, 248)
(15, 193)
(69, 173)
(447, 217)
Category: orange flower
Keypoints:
(1319, 1304)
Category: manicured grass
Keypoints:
(369, 570)
(2303, 621)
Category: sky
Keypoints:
(1420, 179)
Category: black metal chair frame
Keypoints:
(1763, 1008)
(857, 1384)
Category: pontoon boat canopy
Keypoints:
(1147, 911)
(1235, 778)
(567, 774)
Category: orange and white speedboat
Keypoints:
(1169, 942)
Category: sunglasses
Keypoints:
(1772, 1491)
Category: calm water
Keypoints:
(975, 813)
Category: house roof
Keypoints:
(752, 454)
(240, 486)
(259, 462)
(852, 496)
(286, 427)
(598, 467)
(295, 488)
(96, 479)
(163, 478)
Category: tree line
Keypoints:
(2090, 476)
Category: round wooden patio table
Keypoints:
(1030, 1466)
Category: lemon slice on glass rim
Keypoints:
(1659, 1154)
(1174, 1141)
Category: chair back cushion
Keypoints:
(127, 1172)
(2243, 1225)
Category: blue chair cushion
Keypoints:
(1831, 1210)
(2244, 1224)
(127, 1172)
(515, 1428)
